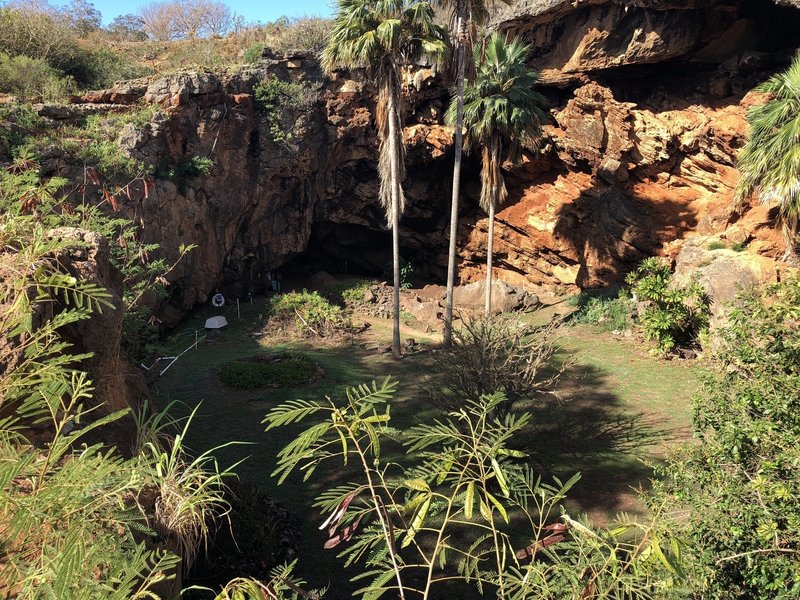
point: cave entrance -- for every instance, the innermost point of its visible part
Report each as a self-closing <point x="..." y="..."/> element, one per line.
<point x="348" y="249"/>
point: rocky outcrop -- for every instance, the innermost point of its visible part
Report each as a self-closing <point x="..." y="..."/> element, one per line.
<point x="572" y="38"/>
<point x="722" y="270"/>
<point x="648" y="110"/>
<point x="118" y="385"/>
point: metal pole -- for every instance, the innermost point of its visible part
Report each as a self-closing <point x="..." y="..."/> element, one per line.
<point x="238" y="314"/>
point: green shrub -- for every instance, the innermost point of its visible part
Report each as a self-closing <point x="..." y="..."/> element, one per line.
<point x="279" y="100"/>
<point x="97" y="68"/>
<point x="406" y="273"/>
<point x="346" y="293"/>
<point x="31" y="79"/>
<point x="463" y="502"/>
<point x="283" y="370"/>
<point x="253" y="52"/>
<point x="610" y="313"/>
<point x="739" y="246"/>
<point x="309" y="313"/>
<point x="716" y="245"/>
<point x="740" y="486"/>
<point x="672" y="316"/>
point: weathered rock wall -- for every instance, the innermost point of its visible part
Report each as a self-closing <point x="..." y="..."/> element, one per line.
<point x="648" y="113"/>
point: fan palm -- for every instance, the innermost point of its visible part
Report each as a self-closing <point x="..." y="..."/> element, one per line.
<point x="466" y="15"/>
<point x="770" y="161"/>
<point x="503" y="115"/>
<point x="383" y="36"/>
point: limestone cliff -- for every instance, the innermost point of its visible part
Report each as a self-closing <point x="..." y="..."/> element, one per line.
<point x="648" y="112"/>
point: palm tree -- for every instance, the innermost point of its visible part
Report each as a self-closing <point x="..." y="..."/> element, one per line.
<point x="465" y="16"/>
<point x="770" y="160"/>
<point x="383" y="36"/>
<point x="503" y="115"/>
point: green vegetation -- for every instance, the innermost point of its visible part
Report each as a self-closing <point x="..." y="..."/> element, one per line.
<point x="610" y="313"/>
<point x="673" y="317"/>
<point x="306" y="34"/>
<point x="770" y="160"/>
<point x="447" y="509"/>
<point x="289" y="369"/>
<point x="740" y="486"/>
<point x="384" y="37"/>
<point x="45" y="54"/>
<point x="348" y="292"/>
<point x="503" y="116"/>
<point x="279" y="101"/>
<point x="307" y="313"/>
<point x="720" y="245"/>
<point x="74" y="514"/>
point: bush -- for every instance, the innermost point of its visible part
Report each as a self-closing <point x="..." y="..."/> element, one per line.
<point x="740" y="486"/>
<point x="346" y="293"/>
<point x="31" y="79"/>
<point x="308" y="313"/>
<point x="279" y="101"/>
<point x="673" y="317"/>
<point x="96" y="68"/>
<point x="283" y="370"/>
<point x="301" y="33"/>
<point x="463" y="503"/>
<point x="253" y="53"/>
<point x="406" y="274"/>
<point x="610" y="313"/>
<point x="495" y="354"/>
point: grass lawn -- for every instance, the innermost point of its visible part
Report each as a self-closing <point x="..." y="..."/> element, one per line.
<point x="618" y="407"/>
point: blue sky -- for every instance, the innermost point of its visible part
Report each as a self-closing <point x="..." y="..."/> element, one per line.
<point x="253" y="10"/>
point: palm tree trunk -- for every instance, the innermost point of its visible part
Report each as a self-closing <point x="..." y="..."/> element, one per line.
<point x="458" y="141"/>
<point x="487" y="309"/>
<point x="392" y="113"/>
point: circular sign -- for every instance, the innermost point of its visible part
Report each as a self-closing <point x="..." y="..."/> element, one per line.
<point x="218" y="300"/>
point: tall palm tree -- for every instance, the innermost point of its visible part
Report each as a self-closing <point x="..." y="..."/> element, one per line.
<point x="383" y="36"/>
<point x="466" y="15"/>
<point x="503" y="115"/>
<point x="770" y="160"/>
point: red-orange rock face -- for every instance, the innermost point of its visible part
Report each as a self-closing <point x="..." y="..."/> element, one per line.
<point x="648" y="102"/>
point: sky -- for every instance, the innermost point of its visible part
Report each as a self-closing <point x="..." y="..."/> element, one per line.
<point x="252" y="10"/>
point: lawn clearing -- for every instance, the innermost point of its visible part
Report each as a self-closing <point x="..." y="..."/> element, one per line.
<point x="618" y="408"/>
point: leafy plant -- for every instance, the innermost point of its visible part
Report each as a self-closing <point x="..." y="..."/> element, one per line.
<point x="406" y="273"/>
<point x="610" y="313"/>
<point x="308" y="313"/>
<point x="739" y="487"/>
<point x="279" y="100"/>
<point x="282" y="585"/>
<point x="449" y="516"/>
<point x="770" y="162"/>
<point x="253" y="52"/>
<point x="31" y="79"/>
<point x="347" y="293"/>
<point x="188" y="491"/>
<point x="284" y="370"/>
<point x="69" y="528"/>
<point x="672" y="316"/>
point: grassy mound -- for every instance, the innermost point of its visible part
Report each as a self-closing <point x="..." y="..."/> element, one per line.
<point x="283" y="370"/>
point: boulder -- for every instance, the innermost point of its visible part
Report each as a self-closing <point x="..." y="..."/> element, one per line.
<point x="722" y="272"/>
<point x="505" y="297"/>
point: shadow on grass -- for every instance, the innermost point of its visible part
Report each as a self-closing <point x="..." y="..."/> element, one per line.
<point x="226" y="414"/>
<point x="588" y="430"/>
